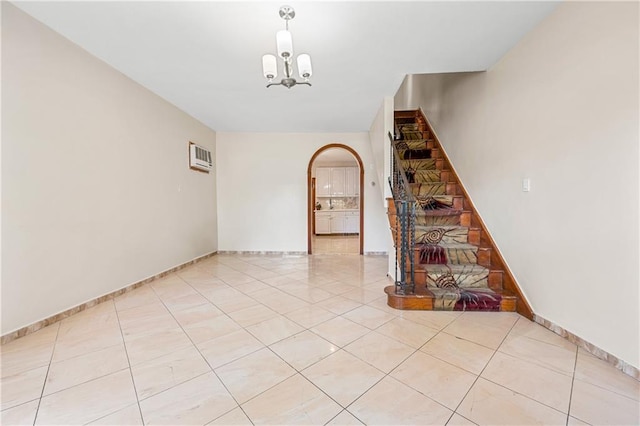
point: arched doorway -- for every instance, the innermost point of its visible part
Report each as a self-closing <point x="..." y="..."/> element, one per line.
<point x="311" y="194"/>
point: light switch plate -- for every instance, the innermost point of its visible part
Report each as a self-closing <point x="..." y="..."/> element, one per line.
<point x="526" y="185"/>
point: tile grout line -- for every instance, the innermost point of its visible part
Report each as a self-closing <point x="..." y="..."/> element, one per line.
<point x="385" y="375"/>
<point x="403" y="361"/>
<point x="264" y="347"/>
<point x="523" y="395"/>
<point x="573" y="380"/>
<point x="485" y="367"/>
<point x="442" y="330"/>
<point x="44" y="384"/>
<point x="77" y="384"/>
<point x="621" y="395"/>
<point x="401" y="382"/>
<point x="345" y="408"/>
<point x="286" y="362"/>
<point x="201" y="354"/>
<point x="505" y="387"/>
<point x="126" y="351"/>
<point x="277" y="355"/>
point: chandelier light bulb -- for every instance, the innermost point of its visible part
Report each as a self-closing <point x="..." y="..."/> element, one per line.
<point x="269" y="67"/>
<point x="304" y="66"/>
<point x="284" y="41"/>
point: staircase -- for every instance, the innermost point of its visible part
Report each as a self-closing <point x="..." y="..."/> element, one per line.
<point x="445" y="257"/>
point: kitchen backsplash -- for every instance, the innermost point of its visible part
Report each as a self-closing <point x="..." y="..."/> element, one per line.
<point x="337" y="203"/>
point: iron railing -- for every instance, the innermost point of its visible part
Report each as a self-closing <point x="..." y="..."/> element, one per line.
<point x="405" y="223"/>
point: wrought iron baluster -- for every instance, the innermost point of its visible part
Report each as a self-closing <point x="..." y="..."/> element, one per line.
<point x="405" y="206"/>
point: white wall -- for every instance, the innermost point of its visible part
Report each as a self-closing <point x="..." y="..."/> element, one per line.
<point x="382" y="125"/>
<point x="96" y="190"/>
<point x="262" y="190"/>
<point x="562" y="109"/>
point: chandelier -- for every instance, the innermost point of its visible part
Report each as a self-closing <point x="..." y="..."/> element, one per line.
<point x="284" y="43"/>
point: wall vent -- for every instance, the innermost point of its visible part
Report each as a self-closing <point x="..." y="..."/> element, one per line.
<point x="199" y="158"/>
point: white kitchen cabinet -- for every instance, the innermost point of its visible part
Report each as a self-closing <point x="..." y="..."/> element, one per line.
<point x="323" y="182"/>
<point x="352" y="181"/>
<point x="338" y="181"/>
<point x="352" y="222"/>
<point x="337" y="223"/>
<point x="323" y="223"/>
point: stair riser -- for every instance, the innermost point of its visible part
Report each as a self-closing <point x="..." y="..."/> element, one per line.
<point x="471" y="280"/>
<point x="425" y="164"/>
<point x="418" y="145"/>
<point x="463" y="219"/>
<point x="412" y="135"/>
<point x="425" y="176"/>
<point x="473" y="236"/>
<point x="422" y="143"/>
<point x="429" y="189"/>
<point x="439" y="220"/>
<point x="453" y="189"/>
<point x="442" y="235"/>
<point x="424" y="278"/>
<point x="457" y="256"/>
<point x="427" y="302"/>
<point x="456" y="202"/>
<point x="495" y="280"/>
<point x="423" y="189"/>
<point x="444" y="256"/>
<point x="484" y="257"/>
<point x="445" y="235"/>
<point x="433" y="175"/>
<point x="403" y="145"/>
<point x="480" y="257"/>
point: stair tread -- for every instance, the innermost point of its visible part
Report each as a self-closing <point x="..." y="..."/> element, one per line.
<point x="445" y="245"/>
<point x="421" y="141"/>
<point x="502" y="292"/>
<point x="430" y="182"/>
<point x="454" y="268"/>
<point x="430" y="227"/>
<point x="439" y="212"/>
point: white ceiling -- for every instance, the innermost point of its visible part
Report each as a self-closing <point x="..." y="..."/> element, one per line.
<point x="205" y="56"/>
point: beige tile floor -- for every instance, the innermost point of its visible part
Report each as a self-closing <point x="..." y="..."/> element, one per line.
<point x="336" y="244"/>
<point x="301" y="340"/>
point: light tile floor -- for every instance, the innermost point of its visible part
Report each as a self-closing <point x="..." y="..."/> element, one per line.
<point x="301" y="340"/>
<point x="335" y="244"/>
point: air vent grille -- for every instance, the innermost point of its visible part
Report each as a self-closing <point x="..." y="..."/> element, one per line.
<point x="199" y="158"/>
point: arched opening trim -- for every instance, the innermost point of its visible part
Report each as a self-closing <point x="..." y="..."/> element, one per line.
<point x="311" y="201"/>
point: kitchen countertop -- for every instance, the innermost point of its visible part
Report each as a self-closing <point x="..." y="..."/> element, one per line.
<point x="336" y="210"/>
